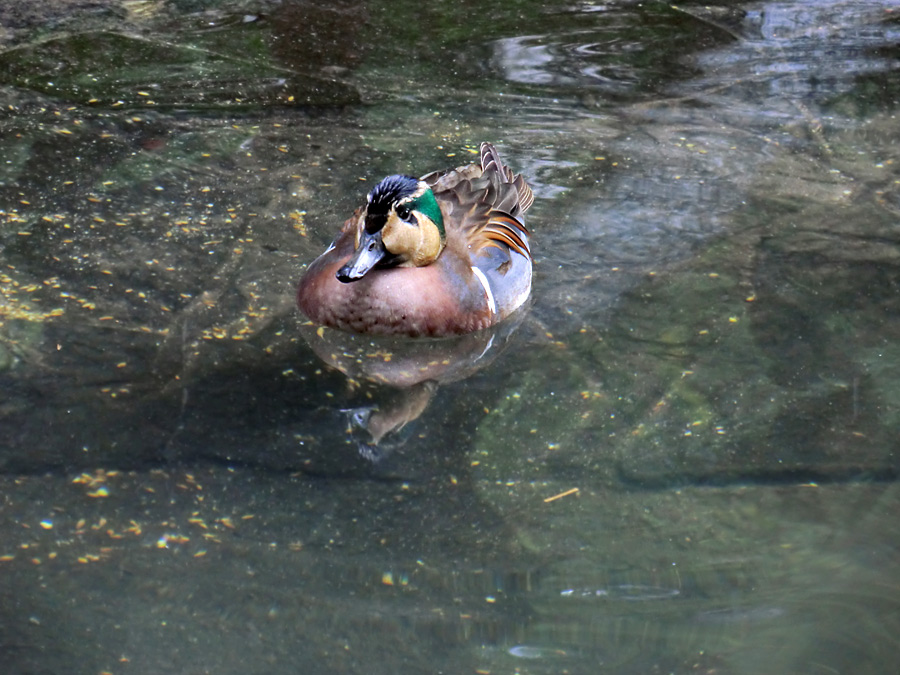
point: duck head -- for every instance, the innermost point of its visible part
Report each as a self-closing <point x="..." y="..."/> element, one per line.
<point x="402" y="226"/>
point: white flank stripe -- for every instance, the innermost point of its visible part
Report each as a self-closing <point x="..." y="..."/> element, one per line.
<point x="487" y="289"/>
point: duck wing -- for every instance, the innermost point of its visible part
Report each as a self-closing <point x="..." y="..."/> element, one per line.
<point x="485" y="202"/>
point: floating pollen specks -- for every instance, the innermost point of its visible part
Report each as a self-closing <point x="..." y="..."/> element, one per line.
<point x="166" y="539"/>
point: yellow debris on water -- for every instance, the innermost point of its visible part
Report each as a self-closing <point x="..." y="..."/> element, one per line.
<point x="561" y="495"/>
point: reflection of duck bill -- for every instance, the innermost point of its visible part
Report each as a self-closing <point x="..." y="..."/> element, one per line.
<point x="395" y="413"/>
<point x="405" y="362"/>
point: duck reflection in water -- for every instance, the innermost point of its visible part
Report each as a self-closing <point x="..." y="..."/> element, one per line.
<point x="401" y="375"/>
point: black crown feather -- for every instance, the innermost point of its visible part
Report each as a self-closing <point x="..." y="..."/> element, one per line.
<point x="387" y="193"/>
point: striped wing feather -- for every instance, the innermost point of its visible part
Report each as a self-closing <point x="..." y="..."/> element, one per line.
<point x="486" y="201"/>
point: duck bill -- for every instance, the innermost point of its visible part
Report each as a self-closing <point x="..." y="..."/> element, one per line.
<point x="369" y="253"/>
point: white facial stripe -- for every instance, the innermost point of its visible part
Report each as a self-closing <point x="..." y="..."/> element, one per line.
<point x="487" y="289"/>
<point x="420" y="190"/>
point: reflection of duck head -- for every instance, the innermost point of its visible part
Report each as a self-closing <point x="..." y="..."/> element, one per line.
<point x="408" y="370"/>
<point x="391" y="414"/>
<point x="443" y="255"/>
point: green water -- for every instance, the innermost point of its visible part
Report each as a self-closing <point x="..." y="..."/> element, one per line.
<point x="680" y="459"/>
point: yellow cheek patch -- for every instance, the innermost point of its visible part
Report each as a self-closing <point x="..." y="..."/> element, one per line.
<point x="417" y="246"/>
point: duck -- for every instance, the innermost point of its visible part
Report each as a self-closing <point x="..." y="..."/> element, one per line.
<point x="437" y="256"/>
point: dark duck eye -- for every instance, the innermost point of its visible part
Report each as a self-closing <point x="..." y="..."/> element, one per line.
<point x="405" y="213"/>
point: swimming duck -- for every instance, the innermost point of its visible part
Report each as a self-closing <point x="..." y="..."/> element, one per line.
<point x="445" y="254"/>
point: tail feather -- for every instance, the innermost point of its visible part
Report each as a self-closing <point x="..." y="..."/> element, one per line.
<point x="490" y="161"/>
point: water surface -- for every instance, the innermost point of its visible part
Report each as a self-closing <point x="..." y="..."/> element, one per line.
<point x="681" y="458"/>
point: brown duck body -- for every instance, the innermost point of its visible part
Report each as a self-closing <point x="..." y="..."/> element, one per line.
<point x="480" y="276"/>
